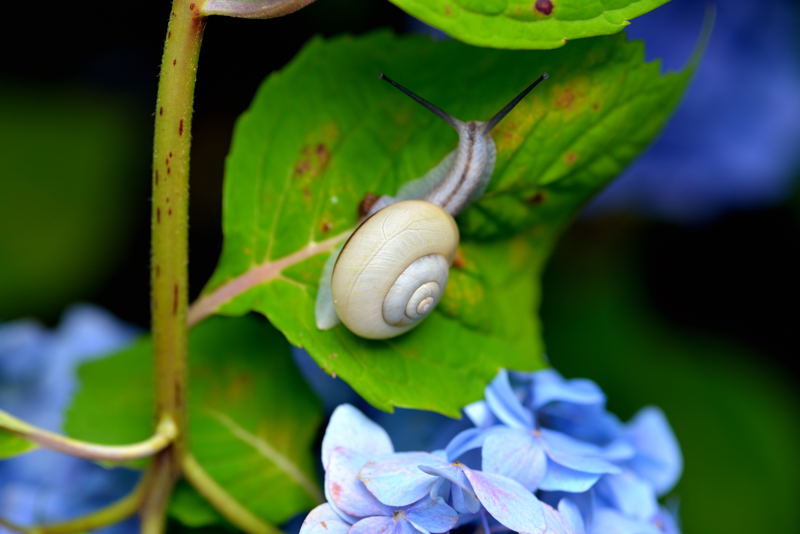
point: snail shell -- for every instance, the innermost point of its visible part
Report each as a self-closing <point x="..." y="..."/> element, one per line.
<point x="393" y="270"/>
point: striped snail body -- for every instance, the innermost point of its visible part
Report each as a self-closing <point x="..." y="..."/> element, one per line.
<point x="392" y="270"/>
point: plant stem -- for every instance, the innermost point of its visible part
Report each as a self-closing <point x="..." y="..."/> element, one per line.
<point x="165" y="433"/>
<point x="170" y="224"/>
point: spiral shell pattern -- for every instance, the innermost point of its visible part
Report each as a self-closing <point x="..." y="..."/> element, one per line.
<point x="393" y="269"/>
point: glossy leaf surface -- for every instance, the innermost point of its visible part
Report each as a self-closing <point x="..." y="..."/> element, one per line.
<point x="325" y="131"/>
<point x="527" y="24"/>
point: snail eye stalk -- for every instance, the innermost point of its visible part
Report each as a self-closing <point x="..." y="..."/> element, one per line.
<point x="491" y="123"/>
<point x="435" y="109"/>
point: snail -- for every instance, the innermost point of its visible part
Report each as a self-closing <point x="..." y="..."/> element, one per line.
<point x="392" y="270"/>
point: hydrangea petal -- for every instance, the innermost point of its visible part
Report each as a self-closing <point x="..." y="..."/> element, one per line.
<point x="560" y="478"/>
<point x="589" y="423"/>
<point x="432" y="515"/>
<point x="572" y="516"/>
<point x="548" y="386"/>
<point x="515" y="454"/>
<point x="630" y="494"/>
<point x="323" y="520"/>
<point x="343" y="489"/>
<point x="480" y="414"/>
<point x="505" y="404"/>
<point x="350" y="428"/>
<point x="575" y="454"/>
<point x="610" y="521"/>
<point x="464" y="501"/>
<point x="465" y="441"/>
<point x="507" y="501"/>
<point x="452" y="472"/>
<point x="659" y="458"/>
<point x="376" y="525"/>
<point x="396" y="480"/>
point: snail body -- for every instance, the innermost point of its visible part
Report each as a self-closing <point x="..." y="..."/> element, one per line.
<point x="392" y="270"/>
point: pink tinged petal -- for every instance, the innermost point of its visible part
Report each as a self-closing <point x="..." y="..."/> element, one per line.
<point x="515" y="454"/>
<point x="396" y="480"/>
<point x="630" y="494"/>
<point x="505" y="404"/>
<point x="576" y="454"/>
<point x="323" y="520"/>
<point x="345" y="491"/>
<point x="659" y="458"/>
<point x="374" y="525"/>
<point x="432" y="515"/>
<point x="560" y="478"/>
<point x="549" y="386"/>
<point x="350" y="428"/>
<point x="508" y="502"/>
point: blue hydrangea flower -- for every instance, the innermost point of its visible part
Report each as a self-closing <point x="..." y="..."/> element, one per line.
<point x="37" y="379"/>
<point x="553" y="461"/>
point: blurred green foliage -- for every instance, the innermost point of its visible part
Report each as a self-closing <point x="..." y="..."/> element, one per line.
<point x="734" y="415"/>
<point x="65" y="202"/>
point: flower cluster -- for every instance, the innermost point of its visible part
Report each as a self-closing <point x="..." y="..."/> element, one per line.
<point x="552" y="461"/>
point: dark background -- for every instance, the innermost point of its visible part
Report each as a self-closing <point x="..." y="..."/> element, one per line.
<point x="677" y="287"/>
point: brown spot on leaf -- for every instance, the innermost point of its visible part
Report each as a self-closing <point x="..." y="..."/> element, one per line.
<point x="302" y="167"/>
<point x="158" y="215"/>
<point x="570" y="158"/>
<point x="366" y="204"/>
<point x="307" y="193"/>
<point x="536" y="198"/>
<point x="565" y="99"/>
<point x="180" y="127"/>
<point x="545" y="7"/>
<point x="596" y="106"/>
<point x="174" y="62"/>
<point x="191" y="7"/>
<point x="325" y="226"/>
<point x="448" y="10"/>
<point x="161" y="110"/>
<point x="169" y="211"/>
<point x="158" y="270"/>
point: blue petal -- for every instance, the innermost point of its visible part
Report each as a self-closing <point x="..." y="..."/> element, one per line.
<point x="396" y="480"/>
<point x="452" y="472"/>
<point x="350" y="428"/>
<point x="464" y="501"/>
<point x="343" y="489"/>
<point x="507" y="501"/>
<point x="432" y="515"/>
<point x="516" y="454"/>
<point x="376" y="525"/>
<point x="590" y="423"/>
<point x="575" y="454"/>
<point x="572" y="516"/>
<point x="465" y="441"/>
<point x="505" y="404"/>
<point x="629" y="494"/>
<point x="659" y="457"/>
<point x="556" y="523"/>
<point x="480" y="414"/>
<point x="323" y="520"/>
<point x="548" y="386"/>
<point x="456" y="484"/>
<point x="559" y="478"/>
<point x="666" y="521"/>
<point x="610" y="521"/>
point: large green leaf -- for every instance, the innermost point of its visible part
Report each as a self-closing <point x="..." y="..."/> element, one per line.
<point x="529" y="24"/>
<point x="252" y="417"/>
<point x="325" y="131"/>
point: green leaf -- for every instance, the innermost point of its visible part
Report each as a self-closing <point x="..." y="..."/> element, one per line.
<point x="13" y="445"/>
<point x="526" y="24"/>
<point x="252" y="417"/>
<point x="191" y="509"/>
<point x="325" y="131"/>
